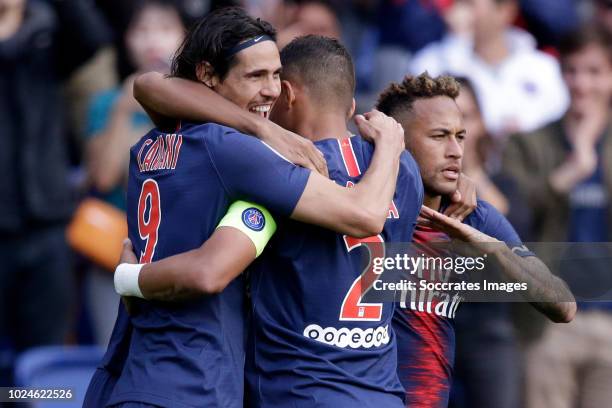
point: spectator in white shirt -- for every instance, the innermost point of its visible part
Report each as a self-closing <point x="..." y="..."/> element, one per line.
<point x="518" y="87"/>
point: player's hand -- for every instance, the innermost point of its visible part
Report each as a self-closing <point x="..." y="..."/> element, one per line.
<point x="450" y="226"/>
<point x="463" y="200"/>
<point x="128" y="256"/>
<point x="457" y="230"/>
<point x="295" y="148"/>
<point x="382" y="130"/>
<point x="127" y="253"/>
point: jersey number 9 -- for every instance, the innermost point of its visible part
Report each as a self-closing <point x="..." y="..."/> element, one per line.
<point x="148" y="227"/>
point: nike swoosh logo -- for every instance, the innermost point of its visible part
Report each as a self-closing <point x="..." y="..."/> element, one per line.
<point x="257" y="39"/>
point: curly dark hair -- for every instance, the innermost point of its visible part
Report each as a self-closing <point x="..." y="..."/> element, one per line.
<point x="210" y="39"/>
<point x="412" y="88"/>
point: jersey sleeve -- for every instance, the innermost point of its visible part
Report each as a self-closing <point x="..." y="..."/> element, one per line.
<point x="251" y="170"/>
<point x="489" y="221"/>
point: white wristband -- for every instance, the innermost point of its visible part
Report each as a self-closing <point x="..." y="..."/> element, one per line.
<point x="126" y="280"/>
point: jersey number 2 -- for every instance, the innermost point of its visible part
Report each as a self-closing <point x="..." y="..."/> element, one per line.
<point x="352" y="309"/>
<point x="148" y="227"/>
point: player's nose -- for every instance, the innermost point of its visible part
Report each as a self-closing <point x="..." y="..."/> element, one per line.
<point x="271" y="88"/>
<point x="454" y="148"/>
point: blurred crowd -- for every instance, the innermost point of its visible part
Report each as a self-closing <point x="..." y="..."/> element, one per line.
<point x="537" y="82"/>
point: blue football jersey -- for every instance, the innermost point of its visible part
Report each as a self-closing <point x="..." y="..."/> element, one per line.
<point x="426" y="332"/>
<point x="191" y="354"/>
<point x="315" y="341"/>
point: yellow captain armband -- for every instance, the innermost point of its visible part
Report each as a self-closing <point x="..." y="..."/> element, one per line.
<point x="252" y="219"/>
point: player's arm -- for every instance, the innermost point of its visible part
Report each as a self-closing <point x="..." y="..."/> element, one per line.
<point x="359" y="211"/>
<point x="550" y="294"/>
<point x="206" y="270"/>
<point x="250" y="170"/>
<point x="545" y="291"/>
<point x="164" y="98"/>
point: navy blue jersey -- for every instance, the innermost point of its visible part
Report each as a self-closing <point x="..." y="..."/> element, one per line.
<point x="425" y="333"/>
<point x="315" y="342"/>
<point x="191" y="354"/>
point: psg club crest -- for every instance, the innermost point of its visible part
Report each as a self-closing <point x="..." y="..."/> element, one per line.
<point x="254" y="219"/>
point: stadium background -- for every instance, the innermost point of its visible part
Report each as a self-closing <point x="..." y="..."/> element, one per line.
<point x="68" y="119"/>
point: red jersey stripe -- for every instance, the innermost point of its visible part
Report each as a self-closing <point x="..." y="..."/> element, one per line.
<point x="348" y="156"/>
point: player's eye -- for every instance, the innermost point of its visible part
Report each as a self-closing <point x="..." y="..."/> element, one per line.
<point x="255" y="75"/>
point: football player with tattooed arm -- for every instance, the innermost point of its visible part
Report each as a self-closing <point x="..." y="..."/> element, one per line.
<point x="435" y="134"/>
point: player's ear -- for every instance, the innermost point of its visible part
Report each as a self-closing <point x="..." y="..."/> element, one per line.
<point x="352" y="110"/>
<point x="288" y="93"/>
<point x="206" y="74"/>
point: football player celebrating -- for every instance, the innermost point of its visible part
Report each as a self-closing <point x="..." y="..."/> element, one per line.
<point x="434" y="133"/>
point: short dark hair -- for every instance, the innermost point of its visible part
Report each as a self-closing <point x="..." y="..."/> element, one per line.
<point x="412" y="88"/>
<point x="584" y="36"/>
<point x="323" y="66"/>
<point x="210" y="39"/>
